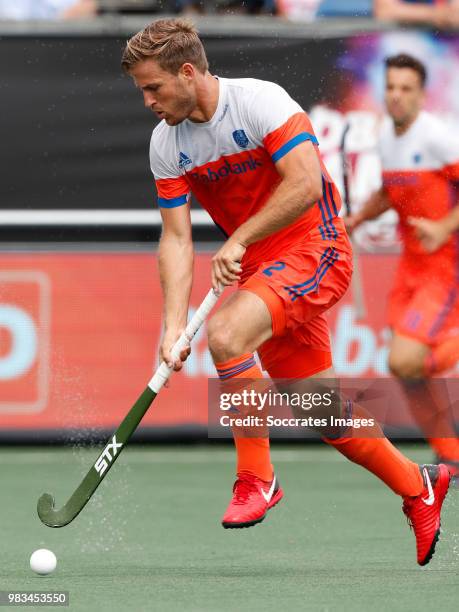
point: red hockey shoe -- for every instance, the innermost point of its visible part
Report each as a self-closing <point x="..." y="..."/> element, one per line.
<point x="423" y="511"/>
<point x="252" y="498"/>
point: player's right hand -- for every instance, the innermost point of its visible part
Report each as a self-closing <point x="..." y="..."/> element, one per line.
<point x="432" y="234"/>
<point x="170" y="337"/>
<point x="226" y="264"/>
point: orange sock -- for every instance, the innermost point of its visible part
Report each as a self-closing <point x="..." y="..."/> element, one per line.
<point x="380" y="457"/>
<point x="253" y="454"/>
<point x="446" y="448"/>
<point x="430" y="404"/>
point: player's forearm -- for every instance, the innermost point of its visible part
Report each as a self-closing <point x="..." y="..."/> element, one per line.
<point x="375" y="206"/>
<point x="451" y="221"/>
<point x="393" y="10"/>
<point x="175" y="262"/>
<point x="289" y="201"/>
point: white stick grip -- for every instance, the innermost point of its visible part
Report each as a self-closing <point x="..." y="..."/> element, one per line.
<point x="163" y="372"/>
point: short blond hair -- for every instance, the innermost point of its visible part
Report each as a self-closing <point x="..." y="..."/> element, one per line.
<point x="171" y="42"/>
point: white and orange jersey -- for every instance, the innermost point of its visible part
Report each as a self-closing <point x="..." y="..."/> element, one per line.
<point x="420" y="169"/>
<point x="229" y="163"/>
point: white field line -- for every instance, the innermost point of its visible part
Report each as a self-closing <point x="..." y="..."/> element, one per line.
<point x="145" y="457"/>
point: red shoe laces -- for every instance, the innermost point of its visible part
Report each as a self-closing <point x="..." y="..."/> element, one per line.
<point x="420" y="516"/>
<point x="242" y="489"/>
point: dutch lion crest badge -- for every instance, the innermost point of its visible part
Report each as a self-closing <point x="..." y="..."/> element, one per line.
<point x="240" y="138"/>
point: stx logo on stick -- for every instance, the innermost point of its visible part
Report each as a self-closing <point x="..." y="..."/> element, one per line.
<point x="105" y="457"/>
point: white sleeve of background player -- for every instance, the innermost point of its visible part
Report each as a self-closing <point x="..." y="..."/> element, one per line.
<point x="381" y="145"/>
<point x="444" y="143"/>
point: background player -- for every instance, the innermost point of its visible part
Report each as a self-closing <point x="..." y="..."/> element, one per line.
<point x="420" y="161"/>
<point x="249" y="154"/>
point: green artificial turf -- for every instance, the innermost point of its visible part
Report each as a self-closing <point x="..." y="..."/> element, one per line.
<point x="150" y="539"/>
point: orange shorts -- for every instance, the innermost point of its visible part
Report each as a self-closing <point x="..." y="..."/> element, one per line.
<point x="424" y="306"/>
<point x="298" y="288"/>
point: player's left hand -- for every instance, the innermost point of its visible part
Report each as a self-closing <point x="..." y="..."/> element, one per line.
<point x="226" y="264"/>
<point x="431" y="234"/>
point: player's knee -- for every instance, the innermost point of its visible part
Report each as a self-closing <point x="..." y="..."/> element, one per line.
<point x="223" y="339"/>
<point x="405" y="366"/>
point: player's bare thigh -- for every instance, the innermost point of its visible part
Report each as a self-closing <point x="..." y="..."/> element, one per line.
<point x="239" y="326"/>
<point x="407" y="356"/>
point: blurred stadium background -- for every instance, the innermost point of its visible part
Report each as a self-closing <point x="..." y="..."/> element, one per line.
<point x="80" y="302"/>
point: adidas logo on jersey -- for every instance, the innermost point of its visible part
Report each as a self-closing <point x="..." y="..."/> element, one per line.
<point x="225" y="170"/>
<point x="184" y="160"/>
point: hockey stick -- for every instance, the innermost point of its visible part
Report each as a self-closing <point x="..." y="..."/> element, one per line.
<point x="80" y="497"/>
<point x="357" y="287"/>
